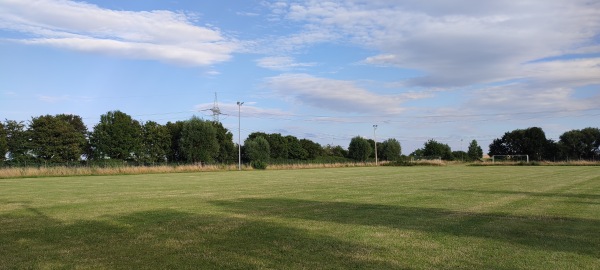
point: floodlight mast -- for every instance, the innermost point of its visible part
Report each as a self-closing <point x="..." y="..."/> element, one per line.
<point x="375" y="139"/>
<point x="239" y="135"/>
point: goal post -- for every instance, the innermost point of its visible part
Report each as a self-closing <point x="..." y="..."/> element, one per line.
<point x="510" y="158"/>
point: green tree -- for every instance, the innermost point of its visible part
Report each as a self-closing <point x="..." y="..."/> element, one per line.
<point x="591" y="139"/>
<point x="535" y="142"/>
<point x="77" y="123"/>
<point x="56" y="138"/>
<point x="498" y="147"/>
<point x="156" y="142"/>
<point x="254" y="135"/>
<point x="359" y="149"/>
<point x="227" y="150"/>
<point x="531" y="141"/>
<point x="199" y="141"/>
<point x="418" y="153"/>
<point x="389" y="149"/>
<point x="17" y="142"/>
<point x="174" y="153"/>
<point x="296" y="151"/>
<point x="335" y="151"/>
<point x="313" y="149"/>
<point x="116" y="136"/>
<point x="74" y="121"/>
<point x="552" y="150"/>
<point x="474" y="152"/>
<point x="257" y="149"/>
<point x="3" y="143"/>
<point x="580" y="144"/>
<point x="433" y="148"/>
<point x="372" y="144"/>
<point x="278" y="145"/>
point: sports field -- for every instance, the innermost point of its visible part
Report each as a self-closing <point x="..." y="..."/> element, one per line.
<point x="343" y="218"/>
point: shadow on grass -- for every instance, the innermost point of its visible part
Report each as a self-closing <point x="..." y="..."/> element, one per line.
<point x="580" y="236"/>
<point x="167" y="239"/>
<point x="528" y="193"/>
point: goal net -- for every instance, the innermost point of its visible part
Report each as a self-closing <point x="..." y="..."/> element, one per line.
<point x="510" y="158"/>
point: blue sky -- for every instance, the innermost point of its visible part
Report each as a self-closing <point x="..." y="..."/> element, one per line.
<point x="451" y="70"/>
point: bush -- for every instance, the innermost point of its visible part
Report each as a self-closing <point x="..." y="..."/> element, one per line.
<point x="400" y="161"/>
<point x="259" y="165"/>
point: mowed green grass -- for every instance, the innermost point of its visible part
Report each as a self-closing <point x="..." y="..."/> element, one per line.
<point x="345" y="218"/>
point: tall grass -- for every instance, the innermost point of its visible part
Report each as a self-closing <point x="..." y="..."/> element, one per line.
<point x="87" y="171"/>
<point x="53" y="171"/>
<point x="25" y="172"/>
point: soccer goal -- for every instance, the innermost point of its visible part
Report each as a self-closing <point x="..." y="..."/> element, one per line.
<point x="510" y="158"/>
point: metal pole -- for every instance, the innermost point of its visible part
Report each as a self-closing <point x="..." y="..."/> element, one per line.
<point x="375" y="139"/>
<point x="239" y="135"/>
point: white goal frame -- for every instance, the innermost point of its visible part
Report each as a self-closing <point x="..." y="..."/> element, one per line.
<point x="509" y="157"/>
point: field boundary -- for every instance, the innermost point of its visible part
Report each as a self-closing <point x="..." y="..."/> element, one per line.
<point x="57" y="171"/>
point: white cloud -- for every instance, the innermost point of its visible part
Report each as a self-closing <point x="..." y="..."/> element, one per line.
<point x="158" y="35"/>
<point x="567" y="73"/>
<point x="281" y="63"/>
<point x="382" y="59"/>
<point x="336" y="95"/>
<point x="455" y="43"/>
<point x="549" y="86"/>
<point x="212" y="73"/>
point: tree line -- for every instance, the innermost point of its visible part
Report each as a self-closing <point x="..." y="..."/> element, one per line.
<point x="436" y="150"/>
<point x="117" y="137"/>
<point x="575" y="144"/>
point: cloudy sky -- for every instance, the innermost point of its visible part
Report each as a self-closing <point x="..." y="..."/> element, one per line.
<point x="449" y="70"/>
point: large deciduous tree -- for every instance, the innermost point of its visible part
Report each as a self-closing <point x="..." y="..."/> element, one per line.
<point x="17" y="141"/>
<point x="433" y="148"/>
<point x="359" y="149"/>
<point x="581" y="144"/>
<point x="531" y="141"/>
<point x="116" y="136"/>
<point x="198" y="141"/>
<point x="257" y="149"/>
<point x="74" y="121"/>
<point x="57" y="139"/>
<point x="156" y="142"/>
<point x="390" y="149"/>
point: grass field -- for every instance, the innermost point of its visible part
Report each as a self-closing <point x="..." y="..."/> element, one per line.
<point x="448" y="217"/>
